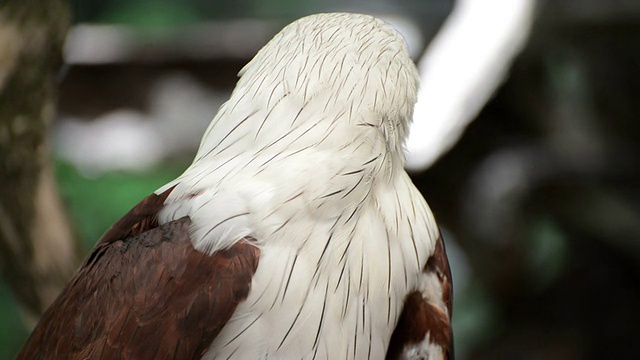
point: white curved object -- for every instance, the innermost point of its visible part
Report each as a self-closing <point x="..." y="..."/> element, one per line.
<point x="461" y="69"/>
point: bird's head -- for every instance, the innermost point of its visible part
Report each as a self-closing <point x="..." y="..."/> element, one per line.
<point x="340" y="73"/>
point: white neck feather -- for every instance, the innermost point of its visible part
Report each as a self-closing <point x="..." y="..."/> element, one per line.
<point x="331" y="94"/>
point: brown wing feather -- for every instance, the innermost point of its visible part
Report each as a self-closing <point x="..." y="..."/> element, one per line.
<point x="141" y="218"/>
<point x="145" y="293"/>
<point x="423" y="322"/>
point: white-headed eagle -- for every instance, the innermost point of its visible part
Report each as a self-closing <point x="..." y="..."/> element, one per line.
<point x="294" y="234"/>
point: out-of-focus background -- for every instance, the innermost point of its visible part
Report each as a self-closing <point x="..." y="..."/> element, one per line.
<point x="526" y="146"/>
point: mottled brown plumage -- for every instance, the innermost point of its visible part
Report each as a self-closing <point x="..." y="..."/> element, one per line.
<point x="420" y="318"/>
<point x="438" y="263"/>
<point x="145" y="293"/>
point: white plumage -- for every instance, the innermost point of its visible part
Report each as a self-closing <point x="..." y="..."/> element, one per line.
<point x="306" y="157"/>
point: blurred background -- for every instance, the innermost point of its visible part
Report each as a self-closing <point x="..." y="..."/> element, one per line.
<point x="531" y="162"/>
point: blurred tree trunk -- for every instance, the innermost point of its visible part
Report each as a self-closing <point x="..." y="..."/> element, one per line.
<point x="38" y="252"/>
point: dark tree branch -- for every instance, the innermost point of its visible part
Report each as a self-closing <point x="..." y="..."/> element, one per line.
<point x="37" y="249"/>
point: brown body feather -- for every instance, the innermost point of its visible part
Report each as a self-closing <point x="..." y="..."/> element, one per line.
<point x="422" y="318"/>
<point x="145" y="293"/>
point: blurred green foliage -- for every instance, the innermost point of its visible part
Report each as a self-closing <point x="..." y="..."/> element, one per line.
<point x="96" y="203"/>
<point x="12" y="329"/>
<point x="162" y="13"/>
<point x="177" y="12"/>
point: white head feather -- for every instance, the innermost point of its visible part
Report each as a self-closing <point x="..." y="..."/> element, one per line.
<point x="328" y="94"/>
<point x="349" y="64"/>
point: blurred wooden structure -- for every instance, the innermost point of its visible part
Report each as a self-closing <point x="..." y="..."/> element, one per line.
<point x="38" y="253"/>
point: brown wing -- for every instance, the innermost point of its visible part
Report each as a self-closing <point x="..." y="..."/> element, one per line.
<point x="424" y="328"/>
<point x="145" y="293"/>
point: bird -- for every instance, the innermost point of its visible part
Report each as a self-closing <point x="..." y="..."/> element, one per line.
<point x="295" y="233"/>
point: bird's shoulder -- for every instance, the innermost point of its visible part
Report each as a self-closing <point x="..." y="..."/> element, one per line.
<point x="145" y="291"/>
